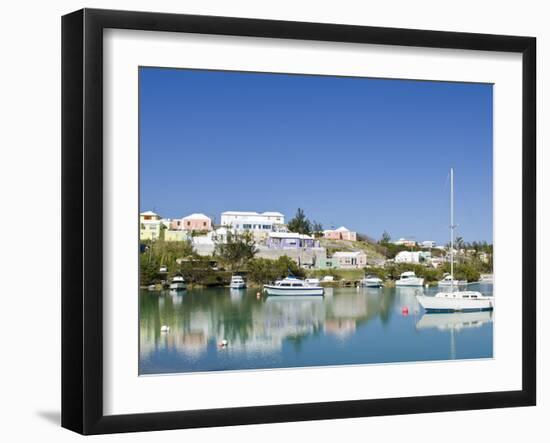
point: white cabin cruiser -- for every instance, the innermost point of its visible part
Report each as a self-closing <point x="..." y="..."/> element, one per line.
<point x="448" y="280"/>
<point x="454" y="300"/>
<point x="371" y="281"/>
<point x="178" y="283"/>
<point x="409" y="278"/>
<point x="293" y="286"/>
<point x="237" y="282"/>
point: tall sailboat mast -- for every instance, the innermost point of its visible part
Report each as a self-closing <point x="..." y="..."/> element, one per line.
<point x="452" y="229"/>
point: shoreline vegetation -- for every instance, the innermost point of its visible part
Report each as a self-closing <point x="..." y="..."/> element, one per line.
<point x="160" y="260"/>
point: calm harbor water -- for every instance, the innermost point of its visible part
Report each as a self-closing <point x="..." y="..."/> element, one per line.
<point x="346" y="326"/>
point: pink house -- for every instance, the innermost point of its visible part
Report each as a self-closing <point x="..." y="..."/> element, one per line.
<point x="193" y="222"/>
<point x="342" y="233"/>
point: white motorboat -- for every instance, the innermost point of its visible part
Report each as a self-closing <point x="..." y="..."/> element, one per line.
<point x="237" y="282"/>
<point x="313" y="281"/>
<point x="293" y="286"/>
<point x="178" y="283"/>
<point x="455" y="300"/>
<point x="409" y="278"/>
<point x="448" y="281"/>
<point x="371" y="281"/>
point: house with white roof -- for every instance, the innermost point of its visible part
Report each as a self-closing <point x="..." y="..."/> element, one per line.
<point x="404" y="242"/>
<point x="290" y="240"/>
<point x="193" y="222"/>
<point x="412" y="256"/>
<point x="260" y="224"/>
<point x="351" y="259"/>
<point x="149" y="225"/>
<point x="342" y="233"/>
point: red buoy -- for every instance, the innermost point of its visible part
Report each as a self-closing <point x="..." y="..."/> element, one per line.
<point x="405" y="310"/>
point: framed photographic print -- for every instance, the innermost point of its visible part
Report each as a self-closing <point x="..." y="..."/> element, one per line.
<point x="269" y="221"/>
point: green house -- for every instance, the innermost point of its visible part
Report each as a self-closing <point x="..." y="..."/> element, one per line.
<point x="326" y="263"/>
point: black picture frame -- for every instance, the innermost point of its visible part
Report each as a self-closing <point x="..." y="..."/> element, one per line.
<point x="82" y="218"/>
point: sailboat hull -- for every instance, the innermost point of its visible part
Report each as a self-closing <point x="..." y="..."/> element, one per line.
<point x="449" y="304"/>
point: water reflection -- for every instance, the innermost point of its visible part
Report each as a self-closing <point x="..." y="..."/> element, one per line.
<point x="216" y="329"/>
<point x="454" y="323"/>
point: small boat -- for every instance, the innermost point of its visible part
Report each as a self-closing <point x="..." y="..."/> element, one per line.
<point x="455" y="300"/>
<point x="409" y="278"/>
<point x="237" y="282"/>
<point x="178" y="283"/>
<point x="293" y="286"/>
<point x="449" y="281"/>
<point x="371" y="281"/>
<point x="313" y="281"/>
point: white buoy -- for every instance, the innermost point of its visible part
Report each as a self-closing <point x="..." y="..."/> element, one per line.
<point x="164" y="328"/>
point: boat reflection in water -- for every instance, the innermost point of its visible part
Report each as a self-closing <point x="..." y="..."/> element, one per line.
<point x="220" y="329"/>
<point x="454" y="323"/>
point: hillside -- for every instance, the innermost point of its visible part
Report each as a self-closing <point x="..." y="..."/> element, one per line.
<point x="345" y="245"/>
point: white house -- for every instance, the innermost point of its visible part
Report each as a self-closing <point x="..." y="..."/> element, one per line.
<point x="412" y="257"/>
<point x="404" y="242"/>
<point x="350" y="260"/>
<point x="428" y="244"/>
<point x="260" y="224"/>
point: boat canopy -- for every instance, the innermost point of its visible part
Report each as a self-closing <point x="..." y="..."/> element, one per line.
<point x="408" y="274"/>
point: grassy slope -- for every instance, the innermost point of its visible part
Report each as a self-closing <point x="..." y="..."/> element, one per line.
<point x="344" y="245"/>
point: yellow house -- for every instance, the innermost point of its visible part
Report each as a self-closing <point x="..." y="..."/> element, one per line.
<point x="149" y="226"/>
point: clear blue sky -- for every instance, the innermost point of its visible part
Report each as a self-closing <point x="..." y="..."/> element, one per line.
<point x="370" y="154"/>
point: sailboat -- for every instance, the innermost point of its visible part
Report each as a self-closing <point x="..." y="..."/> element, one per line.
<point x="454" y="300"/>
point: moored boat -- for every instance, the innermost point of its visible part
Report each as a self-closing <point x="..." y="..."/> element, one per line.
<point x="371" y="281"/>
<point x="448" y="281"/>
<point x="409" y="278"/>
<point x="178" y="283"/>
<point x="293" y="286"/>
<point x="454" y="300"/>
<point x="237" y="282"/>
<point x="457" y="301"/>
